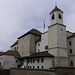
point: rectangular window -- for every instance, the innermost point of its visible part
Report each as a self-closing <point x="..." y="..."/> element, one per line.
<point x="38" y="50"/>
<point x="70" y="43"/>
<point x="38" y="60"/>
<point x="42" y="60"/>
<point x="16" y="60"/>
<point x="71" y="63"/>
<point x="33" y="67"/>
<point x="42" y="67"/>
<point x="30" y="67"/>
<point x="24" y="66"/>
<point x="28" y="61"/>
<point x="37" y="67"/>
<point x="0" y="64"/>
<point x="33" y="61"/>
<point x="70" y="50"/>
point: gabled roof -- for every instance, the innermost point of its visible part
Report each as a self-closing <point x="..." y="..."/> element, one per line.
<point x="11" y="52"/>
<point x="73" y="35"/>
<point x="38" y="54"/>
<point x="56" y="9"/>
<point x="14" y="53"/>
<point x="33" y="31"/>
<point x="15" y="43"/>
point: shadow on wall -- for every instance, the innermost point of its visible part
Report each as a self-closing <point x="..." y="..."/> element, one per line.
<point x="57" y="71"/>
<point x="4" y="72"/>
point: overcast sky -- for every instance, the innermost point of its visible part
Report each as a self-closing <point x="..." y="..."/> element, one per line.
<point x="19" y="16"/>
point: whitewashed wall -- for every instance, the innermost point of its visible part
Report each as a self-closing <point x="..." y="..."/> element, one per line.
<point x="72" y="46"/>
<point x="43" y="43"/>
<point x="8" y="61"/>
<point x="48" y="63"/>
<point x="15" y="47"/>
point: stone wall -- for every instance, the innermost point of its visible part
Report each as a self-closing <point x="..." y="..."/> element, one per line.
<point x="5" y="72"/>
<point x="57" y="71"/>
<point x="65" y="70"/>
<point x="31" y="72"/>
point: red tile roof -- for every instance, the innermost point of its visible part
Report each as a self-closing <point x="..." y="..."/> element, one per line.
<point x="11" y="52"/>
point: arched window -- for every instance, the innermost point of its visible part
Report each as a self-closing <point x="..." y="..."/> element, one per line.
<point x="53" y="16"/>
<point x="60" y="16"/>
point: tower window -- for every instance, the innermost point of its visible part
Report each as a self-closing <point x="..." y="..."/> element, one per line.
<point x="53" y="16"/>
<point x="38" y="44"/>
<point x="70" y="50"/>
<point x="71" y="63"/>
<point x="70" y="43"/>
<point x="59" y="16"/>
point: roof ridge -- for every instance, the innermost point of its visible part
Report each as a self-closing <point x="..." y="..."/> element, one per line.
<point x="32" y="31"/>
<point x="56" y="9"/>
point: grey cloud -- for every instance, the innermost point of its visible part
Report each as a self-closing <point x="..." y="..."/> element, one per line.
<point x="19" y="16"/>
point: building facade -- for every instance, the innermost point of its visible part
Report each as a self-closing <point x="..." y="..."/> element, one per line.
<point x="39" y="60"/>
<point x="58" y="43"/>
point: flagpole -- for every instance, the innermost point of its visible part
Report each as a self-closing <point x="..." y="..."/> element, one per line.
<point x="43" y="26"/>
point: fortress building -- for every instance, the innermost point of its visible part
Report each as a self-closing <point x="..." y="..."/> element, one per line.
<point x="54" y="48"/>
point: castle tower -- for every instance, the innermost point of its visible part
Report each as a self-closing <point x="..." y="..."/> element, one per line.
<point x="57" y="41"/>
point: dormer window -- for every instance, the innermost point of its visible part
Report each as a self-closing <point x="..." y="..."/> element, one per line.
<point x="60" y="16"/>
<point x="53" y="17"/>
